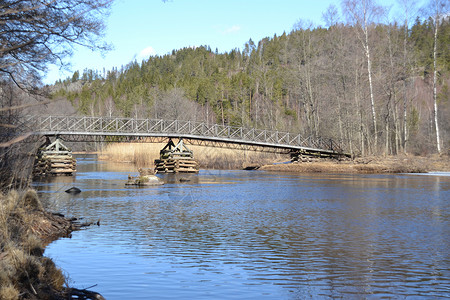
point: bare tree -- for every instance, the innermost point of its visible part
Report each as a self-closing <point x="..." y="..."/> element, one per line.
<point x="306" y="64"/>
<point x="362" y="14"/>
<point x="439" y="8"/>
<point x="408" y="7"/>
<point x="173" y="105"/>
<point x="35" y="33"/>
<point x="331" y="16"/>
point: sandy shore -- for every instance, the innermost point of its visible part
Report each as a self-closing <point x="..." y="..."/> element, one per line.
<point x="373" y="164"/>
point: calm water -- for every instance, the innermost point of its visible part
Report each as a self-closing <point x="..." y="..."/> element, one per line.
<point x="255" y="235"/>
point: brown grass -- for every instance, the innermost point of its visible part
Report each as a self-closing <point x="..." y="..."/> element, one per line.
<point x="374" y="164"/>
<point x="9" y="292"/>
<point x="25" y="273"/>
<point x="141" y="154"/>
<point x="144" y="154"/>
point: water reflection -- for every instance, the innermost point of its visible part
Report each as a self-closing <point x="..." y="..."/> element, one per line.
<point x="240" y="234"/>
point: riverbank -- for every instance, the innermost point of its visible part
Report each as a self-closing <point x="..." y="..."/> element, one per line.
<point x="143" y="155"/>
<point x="370" y="164"/>
<point x="25" y="229"/>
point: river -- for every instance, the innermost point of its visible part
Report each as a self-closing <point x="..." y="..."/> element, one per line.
<point x="254" y="234"/>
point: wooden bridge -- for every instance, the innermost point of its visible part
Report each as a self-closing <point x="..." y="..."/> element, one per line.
<point x="84" y="128"/>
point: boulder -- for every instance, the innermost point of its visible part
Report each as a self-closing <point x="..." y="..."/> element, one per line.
<point x="73" y="190"/>
<point x="146" y="180"/>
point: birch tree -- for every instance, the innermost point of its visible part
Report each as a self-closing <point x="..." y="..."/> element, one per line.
<point x="408" y="7"/>
<point x="362" y="14"/>
<point x="440" y="8"/>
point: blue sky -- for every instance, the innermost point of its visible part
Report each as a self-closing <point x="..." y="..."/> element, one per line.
<point x="139" y="28"/>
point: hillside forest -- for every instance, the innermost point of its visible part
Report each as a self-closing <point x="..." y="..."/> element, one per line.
<point x="375" y="86"/>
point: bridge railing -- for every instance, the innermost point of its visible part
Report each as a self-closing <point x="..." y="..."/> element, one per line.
<point x="127" y="126"/>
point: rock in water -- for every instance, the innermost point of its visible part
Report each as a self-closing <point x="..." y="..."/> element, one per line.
<point x="73" y="190"/>
<point x="147" y="180"/>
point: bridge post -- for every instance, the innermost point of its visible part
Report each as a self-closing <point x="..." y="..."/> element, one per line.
<point x="54" y="159"/>
<point x="176" y="159"/>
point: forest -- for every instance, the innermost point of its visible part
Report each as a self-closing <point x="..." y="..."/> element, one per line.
<point x="376" y="87"/>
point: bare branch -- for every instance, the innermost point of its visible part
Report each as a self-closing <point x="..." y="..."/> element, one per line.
<point x="35" y="33"/>
<point x="14" y="140"/>
<point x="10" y="108"/>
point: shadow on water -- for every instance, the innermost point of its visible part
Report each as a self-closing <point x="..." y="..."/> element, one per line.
<point x="240" y="234"/>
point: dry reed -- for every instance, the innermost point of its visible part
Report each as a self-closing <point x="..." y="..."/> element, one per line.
<point x="369" y="164"/>
<point x="144" y="154"/>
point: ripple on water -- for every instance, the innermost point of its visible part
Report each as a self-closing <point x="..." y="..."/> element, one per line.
<point x="245" y="235"/>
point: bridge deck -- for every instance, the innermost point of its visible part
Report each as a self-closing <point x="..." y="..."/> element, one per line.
<point x="104" y="126"/>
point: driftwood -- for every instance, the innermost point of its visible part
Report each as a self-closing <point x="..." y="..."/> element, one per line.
<point x="84" y="294"/>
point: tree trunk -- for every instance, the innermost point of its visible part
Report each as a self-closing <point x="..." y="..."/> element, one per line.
<point x="221" y="109"/>
<point x="397" y="129"/>
<point x="361" y="121"/>
<point x="405" y="123"/>
<point x="436" y="125"/>
<point x="372" y="101"/>
<point x="386" y="151"/>
<point x="405" y="41"/>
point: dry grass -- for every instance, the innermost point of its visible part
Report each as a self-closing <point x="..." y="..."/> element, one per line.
<point x="9" y="292"/>
<point x="141" y="154"/>
<point x="144" y="154"/>
<point x="25" y="274"/>
<point x="374" y="164"/>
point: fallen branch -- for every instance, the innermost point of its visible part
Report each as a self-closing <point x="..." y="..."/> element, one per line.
<point x="72" y="293"/>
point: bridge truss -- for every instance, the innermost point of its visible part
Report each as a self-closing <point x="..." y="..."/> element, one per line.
<point x="84" y="128"/>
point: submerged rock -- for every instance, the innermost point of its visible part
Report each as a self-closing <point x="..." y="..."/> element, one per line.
<point x="73" y="190"/>
<point x="146" y="180"/>
<point x="251" y="167"/>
